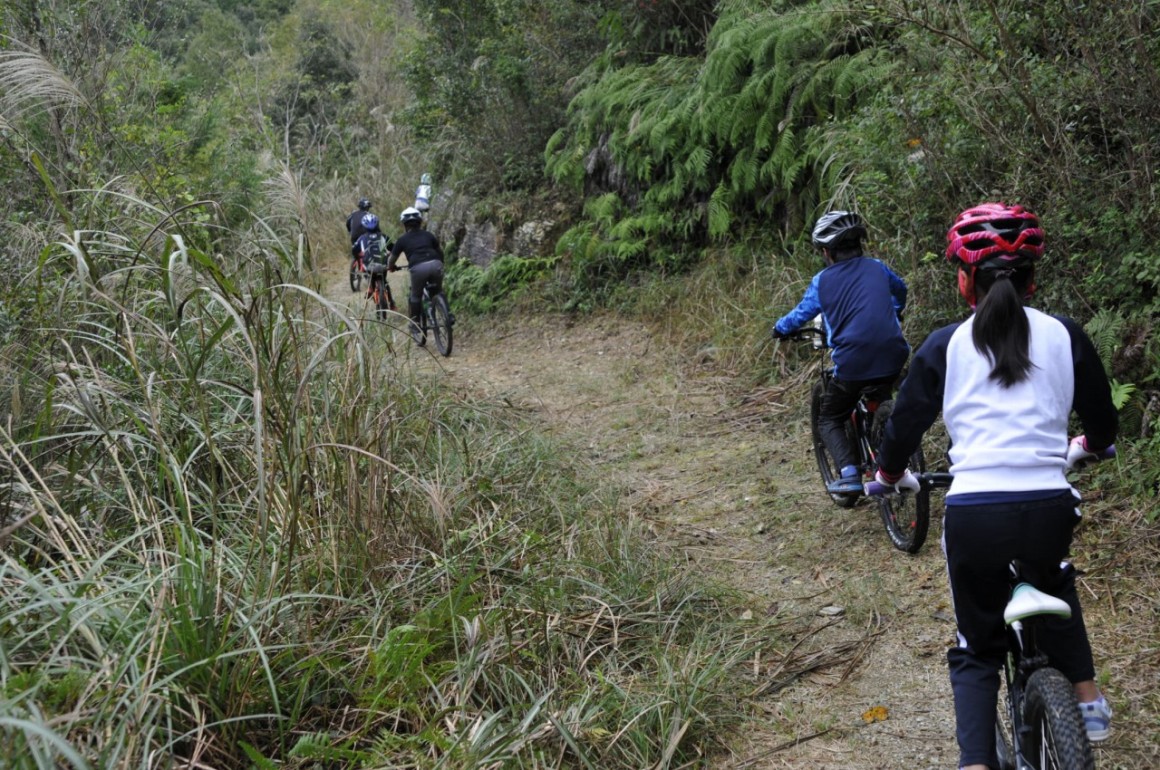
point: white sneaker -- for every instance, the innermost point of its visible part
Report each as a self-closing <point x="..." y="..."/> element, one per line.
<point x="1097" y="718"/>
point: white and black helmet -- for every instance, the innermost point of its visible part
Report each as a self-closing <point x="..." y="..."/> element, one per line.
<point x="411" y="214"/>
<point x="838" y="227"/>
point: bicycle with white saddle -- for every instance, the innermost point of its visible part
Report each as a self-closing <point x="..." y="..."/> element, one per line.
<point x="1039" y="725"/>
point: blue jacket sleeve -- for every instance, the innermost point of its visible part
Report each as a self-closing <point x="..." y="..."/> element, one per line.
<point x="809" y="307"/>
<point x="897" y="289"/>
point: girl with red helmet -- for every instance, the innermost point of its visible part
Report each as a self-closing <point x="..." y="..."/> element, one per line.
<point x="1006" y="381"/>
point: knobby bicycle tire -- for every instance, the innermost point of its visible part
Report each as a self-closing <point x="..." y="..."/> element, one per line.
<point x="1056" y="737"/>
<point x="441" y="323"/>
<point x="356" y="277"/>
<point x="906" y="517"/>
<point x="382" y="299"/>
<point x="826" y="467"/>
<point x="1004" y="729"/>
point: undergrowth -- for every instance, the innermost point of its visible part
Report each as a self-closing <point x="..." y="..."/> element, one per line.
<point x="241" y="529"/>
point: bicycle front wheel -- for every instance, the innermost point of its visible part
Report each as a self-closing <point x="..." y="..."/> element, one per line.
<point x="441" y="323"/>
<point x="1056" y="737"/>
<point x="906" y="517"/>
<point x="826" y="466"/>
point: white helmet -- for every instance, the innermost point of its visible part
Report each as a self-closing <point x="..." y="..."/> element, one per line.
<point x="410" y="214"/>
<point x="836" y="228"/>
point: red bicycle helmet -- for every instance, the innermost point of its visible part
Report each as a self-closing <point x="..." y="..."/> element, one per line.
<point x="994" y="229"/>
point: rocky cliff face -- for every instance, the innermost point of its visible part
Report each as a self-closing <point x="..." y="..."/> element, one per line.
<point x="453" y="221"/>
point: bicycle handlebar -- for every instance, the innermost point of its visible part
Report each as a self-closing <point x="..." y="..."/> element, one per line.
<point x="805" y="332"/>
<point x="930" y="480"/>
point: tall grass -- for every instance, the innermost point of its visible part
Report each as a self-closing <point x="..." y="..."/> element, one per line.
<point x="240" y="528"/>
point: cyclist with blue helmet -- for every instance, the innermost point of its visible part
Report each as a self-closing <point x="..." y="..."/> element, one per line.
<point x="373" y="246"/>
<point x="860" y="300"/>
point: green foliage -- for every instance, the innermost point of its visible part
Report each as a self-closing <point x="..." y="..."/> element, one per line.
<point x="478" y="291"/>
<point x="1106" y="330"/>
<point x="699" y="149"/>
<point x="643" y="30"/>
<point x="488" y="79"/>
<point x="1012" y="102"/>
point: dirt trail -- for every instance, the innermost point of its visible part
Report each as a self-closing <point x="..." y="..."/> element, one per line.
<point x="728" y="477"/>
<point x="716" y="472"/>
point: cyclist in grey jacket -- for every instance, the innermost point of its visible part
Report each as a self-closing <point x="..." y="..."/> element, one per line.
<point x="1006" y="381"/>
<point x="861" y="301"/>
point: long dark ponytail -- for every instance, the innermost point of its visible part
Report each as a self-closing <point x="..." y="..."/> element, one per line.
<point x="1001" y="330"/>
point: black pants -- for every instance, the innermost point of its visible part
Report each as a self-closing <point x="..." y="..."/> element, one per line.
<point x="837" y="403"/>
<point x="980" y="541"/>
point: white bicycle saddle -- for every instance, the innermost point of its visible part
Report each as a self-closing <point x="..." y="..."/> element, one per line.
<point x="1027" y="600"/>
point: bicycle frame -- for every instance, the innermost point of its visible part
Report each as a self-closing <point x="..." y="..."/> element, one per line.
<point x="1023" y="658"/>
<point x="435" y="316"/>
<point x="906" y="520"/>
<point x="861" y="420"/>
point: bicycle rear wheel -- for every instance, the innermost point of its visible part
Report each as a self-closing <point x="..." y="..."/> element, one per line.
<point x="906" y="517"/>
<point x="1056" y="737"/>
<point x="382" y="299"/>
<point x="440" y="322"/>
<point x="826" y="466"/>
<point x="355" y="276"/>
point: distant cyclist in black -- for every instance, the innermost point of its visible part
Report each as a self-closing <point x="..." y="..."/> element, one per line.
<point x="354" y="226"/>
<point x="424" y="258"/>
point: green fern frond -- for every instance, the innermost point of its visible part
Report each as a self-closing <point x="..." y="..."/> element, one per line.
<point x="1106" y="330"/>
<point x="603" y="208"/>
<point x="697" y="162"/>
<point x="720" y="212"/>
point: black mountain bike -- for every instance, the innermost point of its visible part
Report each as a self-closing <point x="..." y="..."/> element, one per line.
<point x="435" y="318"/>
<point x="906" y="517"/>
<point x="1039" y="726"/>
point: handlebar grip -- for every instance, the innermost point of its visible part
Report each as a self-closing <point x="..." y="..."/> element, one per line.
<point x="1107" y="454"/>
<point x="878" y="489"/>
